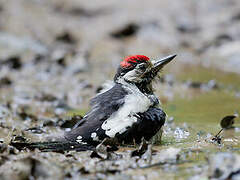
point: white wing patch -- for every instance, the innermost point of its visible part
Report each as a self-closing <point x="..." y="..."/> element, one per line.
<point x="94" y="136"/>
<point x="135" y="102"/>
<point x="79" y="140"/>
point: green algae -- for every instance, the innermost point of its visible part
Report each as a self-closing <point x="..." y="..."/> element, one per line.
<point x="202" y="112"/>
<point x="74" y="112"/>
<point x="203" y="74"/>
<point x="205" y="108"/>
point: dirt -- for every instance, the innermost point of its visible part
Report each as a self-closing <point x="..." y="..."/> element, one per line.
<point x="54" y="56"/>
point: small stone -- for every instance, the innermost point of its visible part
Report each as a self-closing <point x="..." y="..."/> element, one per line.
<point x="224" y="165"/>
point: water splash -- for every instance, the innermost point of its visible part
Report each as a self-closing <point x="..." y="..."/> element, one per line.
<point x="181" y="133"/>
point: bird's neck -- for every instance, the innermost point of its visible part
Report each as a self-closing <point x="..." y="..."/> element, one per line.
<point x="144" y="87"/>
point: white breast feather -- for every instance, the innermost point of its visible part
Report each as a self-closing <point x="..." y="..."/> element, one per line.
<point x="135" y="102"/>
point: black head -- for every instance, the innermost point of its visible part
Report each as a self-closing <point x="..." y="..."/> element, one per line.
<point x="132" y="68"/>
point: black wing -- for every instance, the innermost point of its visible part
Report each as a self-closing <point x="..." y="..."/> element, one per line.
<point x="102" y="107"/>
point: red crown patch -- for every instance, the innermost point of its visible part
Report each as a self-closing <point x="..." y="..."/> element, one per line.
<point x="130" y="60"/>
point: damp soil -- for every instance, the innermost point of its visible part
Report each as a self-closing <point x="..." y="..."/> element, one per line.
<point x="61" y="52"/>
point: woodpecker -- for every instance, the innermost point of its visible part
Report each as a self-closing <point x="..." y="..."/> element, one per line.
<point x="127" y="111"/>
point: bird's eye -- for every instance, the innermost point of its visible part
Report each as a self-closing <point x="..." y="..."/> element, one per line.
<point x="142" y="66"/>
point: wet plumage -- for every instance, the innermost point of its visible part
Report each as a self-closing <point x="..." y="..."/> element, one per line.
<point x="127" y="111"/>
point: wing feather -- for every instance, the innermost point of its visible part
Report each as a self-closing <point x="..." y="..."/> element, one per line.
<point x="102" y="107"/>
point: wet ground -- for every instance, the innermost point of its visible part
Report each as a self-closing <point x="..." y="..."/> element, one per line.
<point x="54" y="55"/>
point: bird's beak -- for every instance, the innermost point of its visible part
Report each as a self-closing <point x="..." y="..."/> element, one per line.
<point x="156" y="67"/>
<point x="159" y="64"/>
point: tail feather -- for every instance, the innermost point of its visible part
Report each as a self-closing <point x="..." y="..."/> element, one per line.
<point x="54" y="146"/>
